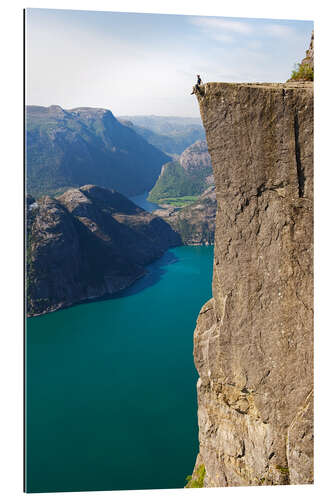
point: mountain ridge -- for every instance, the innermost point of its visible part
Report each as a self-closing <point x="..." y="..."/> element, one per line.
<point x="172" y="134"/>
<point x="70" y="148"/>
<point x="87" y="243"/>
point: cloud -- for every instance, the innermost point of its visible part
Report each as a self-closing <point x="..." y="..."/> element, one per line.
<point x="221" y="37"/>
<point x="225" y="30"/>
<point x="78" y="65"/>
<point x="215" y="23"/>
<point x="279" y="30"/>
<point x="222" y="30"/>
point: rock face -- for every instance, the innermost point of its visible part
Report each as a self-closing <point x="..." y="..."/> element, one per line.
<point x="70" y="148"/>
<point x="87" y="243"/>
<point x="304" y="72"/>
<point x="253" y="344"/>
<point x="196" y="157"/>
<point x="190" y="175"/>
<point x="195" y="223"/>
<point x="309" y="58"/>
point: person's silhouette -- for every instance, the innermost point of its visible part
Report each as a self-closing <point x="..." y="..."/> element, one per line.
<point x="196" y="87"/>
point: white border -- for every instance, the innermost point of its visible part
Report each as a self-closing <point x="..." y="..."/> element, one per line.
<point x="12" y="241"/>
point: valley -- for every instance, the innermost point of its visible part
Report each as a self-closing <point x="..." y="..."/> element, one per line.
<point x="89" y="241"/>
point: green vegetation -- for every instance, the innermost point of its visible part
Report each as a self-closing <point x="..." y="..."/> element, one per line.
<point x="182" y="201"/>
<point x="283" y="470"/>
<point x="176" y="182"/>
<point x="197" y="480"/>
<point x="183" y="179"/>
<point x="195" y="222"/>
<point x="302" y="72"/>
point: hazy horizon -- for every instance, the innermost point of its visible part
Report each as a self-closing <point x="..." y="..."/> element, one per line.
<point x="116" y="115"/>
<point x="146" y="64"/>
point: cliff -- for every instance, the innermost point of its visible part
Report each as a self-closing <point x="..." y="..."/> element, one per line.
<point x="88" y="243"/>
<point x="253" y="343"/>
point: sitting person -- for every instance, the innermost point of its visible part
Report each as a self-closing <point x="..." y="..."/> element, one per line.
<point x="196" y="87"/>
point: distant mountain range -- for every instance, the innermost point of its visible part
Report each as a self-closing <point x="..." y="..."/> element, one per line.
<point x="89" y="241"/>
<point x="170" y="134"/>
<point x="70" y="148"/>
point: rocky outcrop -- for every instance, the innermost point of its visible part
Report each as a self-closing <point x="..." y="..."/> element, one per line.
<point x="309" y="58"/>
<point x="304" y="71"/>
<point x="253" y="344"/>
<point x="195" y="223"/>
<point x="196" y="157"/>
<point x="190" y="175"/>
<point x="88" y="243"/>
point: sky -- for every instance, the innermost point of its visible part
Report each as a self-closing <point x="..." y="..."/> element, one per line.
<point x="142" y="64"/>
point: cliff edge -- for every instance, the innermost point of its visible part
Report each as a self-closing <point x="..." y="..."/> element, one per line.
<point x="253" y="344"/>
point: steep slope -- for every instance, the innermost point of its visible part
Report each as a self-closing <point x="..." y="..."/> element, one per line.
<point x="253" y="344"/>
<point x="188" y="176"/>
<point x="194" y="223"/>
<point x="87" y="243"/>
<point x="69" y="148"/>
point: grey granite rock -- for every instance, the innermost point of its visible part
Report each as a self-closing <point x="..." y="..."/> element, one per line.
<point x="253" y="344"/>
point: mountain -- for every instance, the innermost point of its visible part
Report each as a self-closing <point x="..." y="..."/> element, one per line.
<point x="70" y="148"/>
<point x="169" y="134"/>
<point x="253" y="342"/>
<point x="188" y="176"/>
<point x="194" y="223"/>
<point x="164" y="124"/>
<point x="86" y="243"/>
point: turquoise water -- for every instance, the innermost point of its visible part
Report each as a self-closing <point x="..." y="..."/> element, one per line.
<point x="111" y="385"/>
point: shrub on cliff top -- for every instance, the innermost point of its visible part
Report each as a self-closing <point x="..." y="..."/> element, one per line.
<point x="302" y="72"/>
